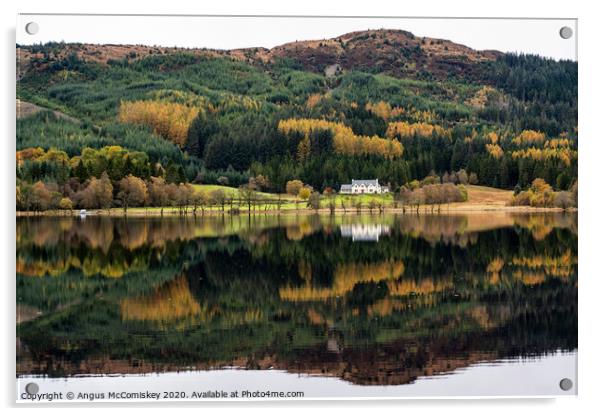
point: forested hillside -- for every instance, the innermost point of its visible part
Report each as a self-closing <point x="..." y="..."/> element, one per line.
<point x="375" y="104"/>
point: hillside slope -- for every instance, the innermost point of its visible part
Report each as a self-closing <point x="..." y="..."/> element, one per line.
<point x="379" y="104"/>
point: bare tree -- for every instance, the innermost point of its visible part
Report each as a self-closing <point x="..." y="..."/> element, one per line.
<point x="405" y="197"/>
<point x="343" y="205"/>
<point x="314" y="200"/>
<point x="157" y="193"/>
<point x="198" y="200"/>
<point x="184" y="197"/>
<point x="247" y="195"/>
<point x="218" y="196"/>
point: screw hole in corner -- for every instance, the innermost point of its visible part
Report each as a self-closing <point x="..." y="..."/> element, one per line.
<point x="566" y="384"/>
<point x="566" y="32"/>
<point x="32" y="388"/>
<point x="32" y="28"/>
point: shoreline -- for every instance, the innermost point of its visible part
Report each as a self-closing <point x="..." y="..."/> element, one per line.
<point x="171" y="212"/>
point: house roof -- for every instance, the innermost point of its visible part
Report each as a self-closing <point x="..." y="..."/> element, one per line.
<point x="345" y="187"/>
<point x="365" y="182"/>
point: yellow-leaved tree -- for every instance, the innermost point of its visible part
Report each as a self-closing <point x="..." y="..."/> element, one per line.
<point x="405" y="130"/>
<point x="169" y="120"/>
<point x="345" y="141"/>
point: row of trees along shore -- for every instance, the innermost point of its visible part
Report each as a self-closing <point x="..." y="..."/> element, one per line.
<point x="132" y="191"/>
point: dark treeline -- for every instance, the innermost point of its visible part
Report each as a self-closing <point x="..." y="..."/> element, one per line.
<point x="545" y="91"/>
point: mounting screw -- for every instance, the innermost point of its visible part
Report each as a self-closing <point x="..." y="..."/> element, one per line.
<point x="566" y="32"/>
<point x="32" y="388"/>
<point x="32" y="28"/>
<point x="566" y="384"/>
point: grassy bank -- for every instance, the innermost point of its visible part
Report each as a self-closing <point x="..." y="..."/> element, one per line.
<point x="480" y="199"/>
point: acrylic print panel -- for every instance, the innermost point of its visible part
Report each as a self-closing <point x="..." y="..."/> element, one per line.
<point x="213" y="207"/>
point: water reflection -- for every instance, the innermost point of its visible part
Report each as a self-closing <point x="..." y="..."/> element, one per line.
<point x="364" y="232"/>
<point x="427" y="295"/>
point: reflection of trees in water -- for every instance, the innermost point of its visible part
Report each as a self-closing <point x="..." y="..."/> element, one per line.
<point x="172" y="306"/>
<point x="113" y="264"/>
<point x="436" y="228"/>
<point x="542" y="224"/>
<point x="322" y="265"/>
<point x="52" y="294"/>
<point x="533" y="269"/>
<point x="169" y="302"/>
<point x="103" y="233"/>
<point x="464" y="229"/>
<point x="346" y="277"/>
<point x="396" y="348"/>
<point x="557" y="266"/>
<point x="263" y="296"/>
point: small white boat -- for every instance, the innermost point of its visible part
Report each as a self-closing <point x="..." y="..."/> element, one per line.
<point x="82" y="213"/>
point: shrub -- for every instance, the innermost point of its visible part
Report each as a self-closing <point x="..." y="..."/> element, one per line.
<point x="293" y="187"/>
<point x="304" y="192"/>
<point x="540" y="194"/>
<point x="563" y="200"/>
<point x="66" y="204"/>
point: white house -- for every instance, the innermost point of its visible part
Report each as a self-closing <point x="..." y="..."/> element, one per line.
<point x="370" y="186"/>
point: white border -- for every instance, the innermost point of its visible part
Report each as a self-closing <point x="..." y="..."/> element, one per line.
<point x="590" y="31"/>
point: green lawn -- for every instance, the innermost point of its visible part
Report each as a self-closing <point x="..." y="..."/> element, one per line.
<point x="230" y="191"/>
<point x="365" y="199"/>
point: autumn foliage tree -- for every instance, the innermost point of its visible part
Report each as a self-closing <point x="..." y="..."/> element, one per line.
<point x="98" y="193"/>
<point x="345" y="141"/>
<point x="132" y="192"/>
<point x="157" y="192"/>
<point x="41" y="197"/>
<point x="66" y="204"/>
<point x="293" y="187"/>
<point x="304" y="193"/>
<point x="404" y="130"/>
<point x="169" y="120"/>
<point x="540" y="194"/>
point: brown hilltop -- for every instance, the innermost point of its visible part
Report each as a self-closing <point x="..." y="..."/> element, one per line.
<point x="395" y="52"/>
<point x="386" y="365"/>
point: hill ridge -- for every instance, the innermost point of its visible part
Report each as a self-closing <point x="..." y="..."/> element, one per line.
<point x="392" y="51"/>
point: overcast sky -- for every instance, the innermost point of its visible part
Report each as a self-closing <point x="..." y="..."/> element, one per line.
<point x="529" y="36"/>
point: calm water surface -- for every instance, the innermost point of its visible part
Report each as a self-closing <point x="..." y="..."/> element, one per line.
<point x="365" y="300"/>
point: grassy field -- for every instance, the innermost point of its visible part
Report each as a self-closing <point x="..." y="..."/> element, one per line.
<point x="485" y="195"/>
<point x="233" y="192"/>
<point x="477" y="195"/>
<point x="292" y="202"/>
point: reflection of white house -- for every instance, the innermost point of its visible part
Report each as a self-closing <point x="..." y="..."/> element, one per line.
<point x="364" y="232"/>
<point x="370" y="186"/>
